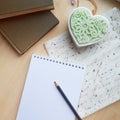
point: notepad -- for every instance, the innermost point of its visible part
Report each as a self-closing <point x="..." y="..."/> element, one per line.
<point x="40" y="99"/>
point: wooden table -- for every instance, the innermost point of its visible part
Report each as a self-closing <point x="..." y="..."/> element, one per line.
<point x="13" y="67"/>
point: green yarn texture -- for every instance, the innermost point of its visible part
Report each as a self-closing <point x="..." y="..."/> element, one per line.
<point x="87" y="28"/>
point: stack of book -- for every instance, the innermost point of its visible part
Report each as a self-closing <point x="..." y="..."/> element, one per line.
<point x="24" y="22"/>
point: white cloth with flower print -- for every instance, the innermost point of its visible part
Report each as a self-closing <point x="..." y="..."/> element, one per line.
<point x="101" y="86"/>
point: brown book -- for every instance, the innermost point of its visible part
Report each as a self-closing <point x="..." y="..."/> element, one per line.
<point x="10" y="8"/>
<point x="25" y="30"/>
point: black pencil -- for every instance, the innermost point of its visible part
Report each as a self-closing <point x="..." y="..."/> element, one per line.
<point x="67" y="101"/>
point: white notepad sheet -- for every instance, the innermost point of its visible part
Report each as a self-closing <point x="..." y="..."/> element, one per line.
<point x="40" y="99"/>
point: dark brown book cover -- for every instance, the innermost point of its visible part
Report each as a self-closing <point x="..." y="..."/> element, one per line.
<point x="24" y="31"/>
<point x="10" y="8"/>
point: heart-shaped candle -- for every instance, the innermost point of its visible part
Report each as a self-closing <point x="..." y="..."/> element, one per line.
<point x="85" y="28"/>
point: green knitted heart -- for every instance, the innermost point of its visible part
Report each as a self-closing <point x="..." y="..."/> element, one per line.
<point x="87" y="28"/>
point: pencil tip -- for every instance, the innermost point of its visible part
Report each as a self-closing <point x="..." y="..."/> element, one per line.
<point x="56" y="84"/>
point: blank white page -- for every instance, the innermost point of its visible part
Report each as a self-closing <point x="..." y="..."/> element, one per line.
<point x="40" y="99"/>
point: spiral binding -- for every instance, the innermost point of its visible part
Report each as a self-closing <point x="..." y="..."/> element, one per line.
<point x="58" y="62"/>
